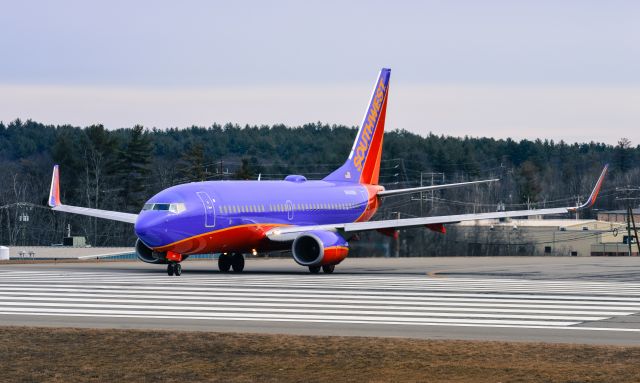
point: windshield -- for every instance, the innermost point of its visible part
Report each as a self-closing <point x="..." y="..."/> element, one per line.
<point x="177" y="207"/>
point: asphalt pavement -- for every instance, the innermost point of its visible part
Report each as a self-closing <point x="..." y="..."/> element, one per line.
<point x="551" y="299"/>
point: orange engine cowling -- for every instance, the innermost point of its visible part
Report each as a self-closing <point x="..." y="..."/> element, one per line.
<point x="318" y="248"/>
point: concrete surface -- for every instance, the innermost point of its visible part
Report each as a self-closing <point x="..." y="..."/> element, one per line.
<point x="551" y="299"/>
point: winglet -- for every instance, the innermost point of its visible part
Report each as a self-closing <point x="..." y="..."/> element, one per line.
<point x="54" y="192"/>
<point x="594" y="193"/>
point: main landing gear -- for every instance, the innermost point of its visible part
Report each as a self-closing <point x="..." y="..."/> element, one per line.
<point x="174" y="269"/>
<point x="233" y="261"/>
<point x="327" y="269"/>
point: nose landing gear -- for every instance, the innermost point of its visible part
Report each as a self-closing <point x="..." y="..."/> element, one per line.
<point x="174" y="267"/>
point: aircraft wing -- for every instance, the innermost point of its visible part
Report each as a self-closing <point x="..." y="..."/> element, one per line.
<point x="54" y="202"/>
<point x="282" y="234"/>
<point x="99" y="256"/>
<point x="386" y="193"/>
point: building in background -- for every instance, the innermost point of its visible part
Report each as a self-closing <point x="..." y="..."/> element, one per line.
<point x="618" y="215"/>
<point x="554" y="237"/>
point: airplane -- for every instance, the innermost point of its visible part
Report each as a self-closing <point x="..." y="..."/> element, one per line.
<point x="314" y="219"/>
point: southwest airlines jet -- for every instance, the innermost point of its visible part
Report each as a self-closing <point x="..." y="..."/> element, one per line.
<point x="314" y="219"/>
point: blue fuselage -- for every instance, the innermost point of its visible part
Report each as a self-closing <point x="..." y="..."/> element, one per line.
<point x="202" y="209"/>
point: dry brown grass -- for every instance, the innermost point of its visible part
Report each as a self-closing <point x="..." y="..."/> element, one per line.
<point x="82" y="355"/>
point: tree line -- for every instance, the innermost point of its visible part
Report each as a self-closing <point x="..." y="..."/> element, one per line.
<point x="119" y="169"/>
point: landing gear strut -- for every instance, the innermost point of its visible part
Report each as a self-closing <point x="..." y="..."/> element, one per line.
<point x="237" y="262"/>
<point x="328" y="269"/>
<point x="174" y="269"/>
<point x="224" y="263"/>
<point x="233" y="261"/>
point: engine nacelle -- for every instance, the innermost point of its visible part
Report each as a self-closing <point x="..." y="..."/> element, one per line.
<point x="145" y="254"/>
<point x="317" y="248"/>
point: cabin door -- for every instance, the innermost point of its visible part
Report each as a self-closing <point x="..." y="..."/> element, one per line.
<point x="209" y="209"/>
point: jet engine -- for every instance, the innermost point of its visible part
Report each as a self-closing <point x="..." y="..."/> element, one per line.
<point x="319" y="248"/>
<point x="145" y="254"/>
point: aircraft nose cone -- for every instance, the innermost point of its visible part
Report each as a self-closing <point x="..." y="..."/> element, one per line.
<point x="150" y="229"/>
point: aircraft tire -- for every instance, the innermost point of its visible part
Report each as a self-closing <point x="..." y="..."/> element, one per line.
<point x="328" y="269"/>
<point x="177" y="269"/>
<point x="224" y="263"/>
<point x="170" y="269"/>
<point x="237" y="262"/>
<point x="314" y="269"/>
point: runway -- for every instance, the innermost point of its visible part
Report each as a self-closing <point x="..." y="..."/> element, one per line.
<point x="368" y="304"/>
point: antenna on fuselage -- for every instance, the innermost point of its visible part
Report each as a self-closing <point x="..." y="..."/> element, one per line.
<point x="259" y="176"/>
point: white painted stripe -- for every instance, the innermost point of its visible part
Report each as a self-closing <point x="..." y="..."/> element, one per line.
<point x="276" y="298"/>
<point x="296" y="317"/>
<point x="396" y="279"/>
<point x="584" y="299"/>
<point x="347" y="279"/>
<point x="216" y="304"/>
<point x="494" y="288"/>
<point x="329" y="312"/>
<point x="543" y="327"/>
<point x="333" y="278"/>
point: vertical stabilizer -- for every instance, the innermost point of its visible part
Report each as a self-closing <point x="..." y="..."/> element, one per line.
<point x="363" y="164"/>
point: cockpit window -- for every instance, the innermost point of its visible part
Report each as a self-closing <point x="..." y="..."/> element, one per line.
<point x="162" y="206"/>
<point x="177" y="207"/>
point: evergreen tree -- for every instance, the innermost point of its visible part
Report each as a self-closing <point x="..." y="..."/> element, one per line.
<point x="135" y="168"/>
<point x="194" y="163"/>
<point x="622" y="155"/>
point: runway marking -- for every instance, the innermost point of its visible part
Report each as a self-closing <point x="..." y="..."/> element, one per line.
<point x="392" y="283"/>
<point x="329" y="309"/>
<point x="583" y="299"/>
<point x="632" y="330"/>
<point x="349" y="299"/>
<point x="277" y="300"/>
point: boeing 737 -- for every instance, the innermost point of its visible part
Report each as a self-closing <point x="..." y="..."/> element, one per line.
<point x="313" y="219"/>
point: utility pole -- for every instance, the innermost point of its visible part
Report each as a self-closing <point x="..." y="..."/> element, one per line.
<point x="628" y="193"/>
<point x="635" y="229"/>
<point x="432" y="175"/>
<point x="397" y="255"/>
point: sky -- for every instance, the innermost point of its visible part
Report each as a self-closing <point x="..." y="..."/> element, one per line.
<point x="562" y="70"/>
